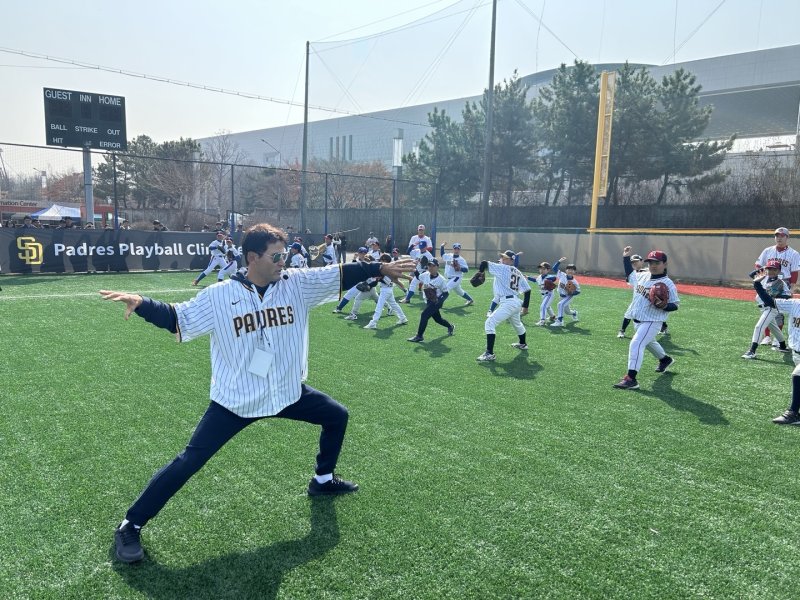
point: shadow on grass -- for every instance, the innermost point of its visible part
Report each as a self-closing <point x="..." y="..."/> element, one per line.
<point x="255" y="574"/>
<point x="672" y="348"/>
<point x="707" y="414"/>
<point x="568" y="329"/>
<point x="432" y="346"/>
<point x="521" y="367"/>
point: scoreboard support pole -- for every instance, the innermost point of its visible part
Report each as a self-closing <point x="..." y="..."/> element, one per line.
<point x="87" y="185"/>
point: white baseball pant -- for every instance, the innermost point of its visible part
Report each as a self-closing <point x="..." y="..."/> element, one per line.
<point x="509" y="309"/>
<point x="644" y="337"/>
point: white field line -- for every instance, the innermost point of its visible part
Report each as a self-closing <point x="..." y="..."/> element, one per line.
<point x="90" y="294"/>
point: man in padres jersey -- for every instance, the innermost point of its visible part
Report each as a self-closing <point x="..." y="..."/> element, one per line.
<point x="647" y="319"/>
<point x="259" y="362"/>
<point x="509" y="282"/>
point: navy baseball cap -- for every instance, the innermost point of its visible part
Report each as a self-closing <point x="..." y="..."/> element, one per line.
<point x="433" y="262"/>
<point x="545" y="265"/>
<point x="656" y="256"/>
<point x="395" y="250"/>
<point x="296" y="246"/>
<point x="636" y="257"/>
<point x="423" y="244"/>
<point x="508" y="254"/>
<point x="456" y="245"/>
<point x="362" y="249"/>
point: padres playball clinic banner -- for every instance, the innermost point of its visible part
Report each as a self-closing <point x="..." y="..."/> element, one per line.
<point x="82" y="250"/>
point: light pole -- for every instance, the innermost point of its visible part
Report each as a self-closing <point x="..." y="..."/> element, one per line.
<point x="397" y="163"/>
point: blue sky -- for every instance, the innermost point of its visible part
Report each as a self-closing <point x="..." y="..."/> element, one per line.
<point x="258" y="47"/>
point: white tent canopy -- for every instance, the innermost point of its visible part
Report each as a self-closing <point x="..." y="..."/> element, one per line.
<point x="57" y="212"/>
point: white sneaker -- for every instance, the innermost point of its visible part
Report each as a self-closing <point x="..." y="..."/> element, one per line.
<point x="541" y="322"/>
<point x="351" y="317"/>
<point x="485" y="357"/>
<point x="519" y="346"/>
<point x="469" y="302"/>
<point x="767" y="341"/>
<point x="488" y="313"/>
<point x="575" y="316"/>
<point x="557" y="323"/>
<point x="371" y="325"/>
<point x="402" y="322"/>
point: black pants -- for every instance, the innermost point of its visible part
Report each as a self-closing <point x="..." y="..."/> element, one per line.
<point x="219" y="425"/>
<point x="432" y="312"/>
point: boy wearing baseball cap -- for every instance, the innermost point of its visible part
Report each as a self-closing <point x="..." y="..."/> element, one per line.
<point x="790" y="265"/>
<point x="770" y="316"/>
<point x="637" y="266"/>
<point x="648" y="315"/>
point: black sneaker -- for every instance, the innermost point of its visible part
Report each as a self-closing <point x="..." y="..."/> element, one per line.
<point x="128" y="545"/>
<point x="335" y="486"/>
<point x="416" y="338"/>
<point x="664" y="364"/>
<point x="790" y="417"/>
<point x="451" y="329"/>
<point x="626" y="383"/>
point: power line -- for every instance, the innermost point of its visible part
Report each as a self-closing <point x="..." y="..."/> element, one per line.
<point x="199" y="86"/>
<point x="542" y="24"/>
<point x="385" y="19"/>
<point x="694" y="31"/>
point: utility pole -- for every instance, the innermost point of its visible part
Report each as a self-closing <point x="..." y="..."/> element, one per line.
<point x="487" y="152"/>
<point x="305" y="152"/>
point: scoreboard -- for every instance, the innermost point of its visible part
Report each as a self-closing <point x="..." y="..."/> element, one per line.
<point x="84" y="120"/>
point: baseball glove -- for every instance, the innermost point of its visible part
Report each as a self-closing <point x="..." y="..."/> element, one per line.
<point x="430" y="294"/>
<point x="478" y="279"/>
<point x="549" y="284"/>
<point x="570" y="288"/>
<point x="423" y="262"/>
<point x="775" y="288"/>
<point x="659" y="295"/>
<point x="362" y="287"/>
<point x="230" y="256"/>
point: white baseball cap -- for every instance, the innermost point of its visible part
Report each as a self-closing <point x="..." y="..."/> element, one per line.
<point x="782" y="231"/>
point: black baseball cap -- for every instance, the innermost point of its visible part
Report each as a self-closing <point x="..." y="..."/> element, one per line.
<point x="636" y="257"/>
<point x="508" y="254"/>
<point x="433" y="262"/>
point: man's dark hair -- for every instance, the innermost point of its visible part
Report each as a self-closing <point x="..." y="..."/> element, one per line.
<point x="258" y="237"/>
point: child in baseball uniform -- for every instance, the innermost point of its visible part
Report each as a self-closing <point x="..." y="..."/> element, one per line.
<point x="547" y="280"/>
<point x="422" y="251"/>
<point x="509" y="283"/>
<point x="566" y="293"/>
<point x="455" y="268"/>
<point x="638" y="267"/>
<point x="771" y="317"/>
<point x="647" y="317"/>
<point x="386" y="297"/>
<point x="231" y="255"/>
<point x="218" y="259"/>
<point x="361" y="256"/>
<point x="791" y="308"/>
<point x="435" y="292"/>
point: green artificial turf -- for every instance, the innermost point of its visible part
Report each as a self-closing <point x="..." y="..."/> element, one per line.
<point x="528" y="477"/>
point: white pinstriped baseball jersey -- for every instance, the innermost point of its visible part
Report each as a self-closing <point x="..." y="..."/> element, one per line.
<point x="508" y="280"/>
<point x="791" y="308"/>
<point x="239" y="322"/>
<point x="449" y="259"/>
<point x="788" y="257"/>
<point x="641" y="309"/>
<point x="298" y="261"/>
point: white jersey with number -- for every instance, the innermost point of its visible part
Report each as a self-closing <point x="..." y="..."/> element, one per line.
<point x="788" y="257"/>
<point x="239" y="321"/>
<point x="641" y="309"/>
<point x="298" y="261"/>
<point x="508" y="280"/>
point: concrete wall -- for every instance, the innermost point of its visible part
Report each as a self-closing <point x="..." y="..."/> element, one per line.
<point x="712" y="259"/>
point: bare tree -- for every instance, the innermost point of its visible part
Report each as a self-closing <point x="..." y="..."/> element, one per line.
<point x="223" y="152"/>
